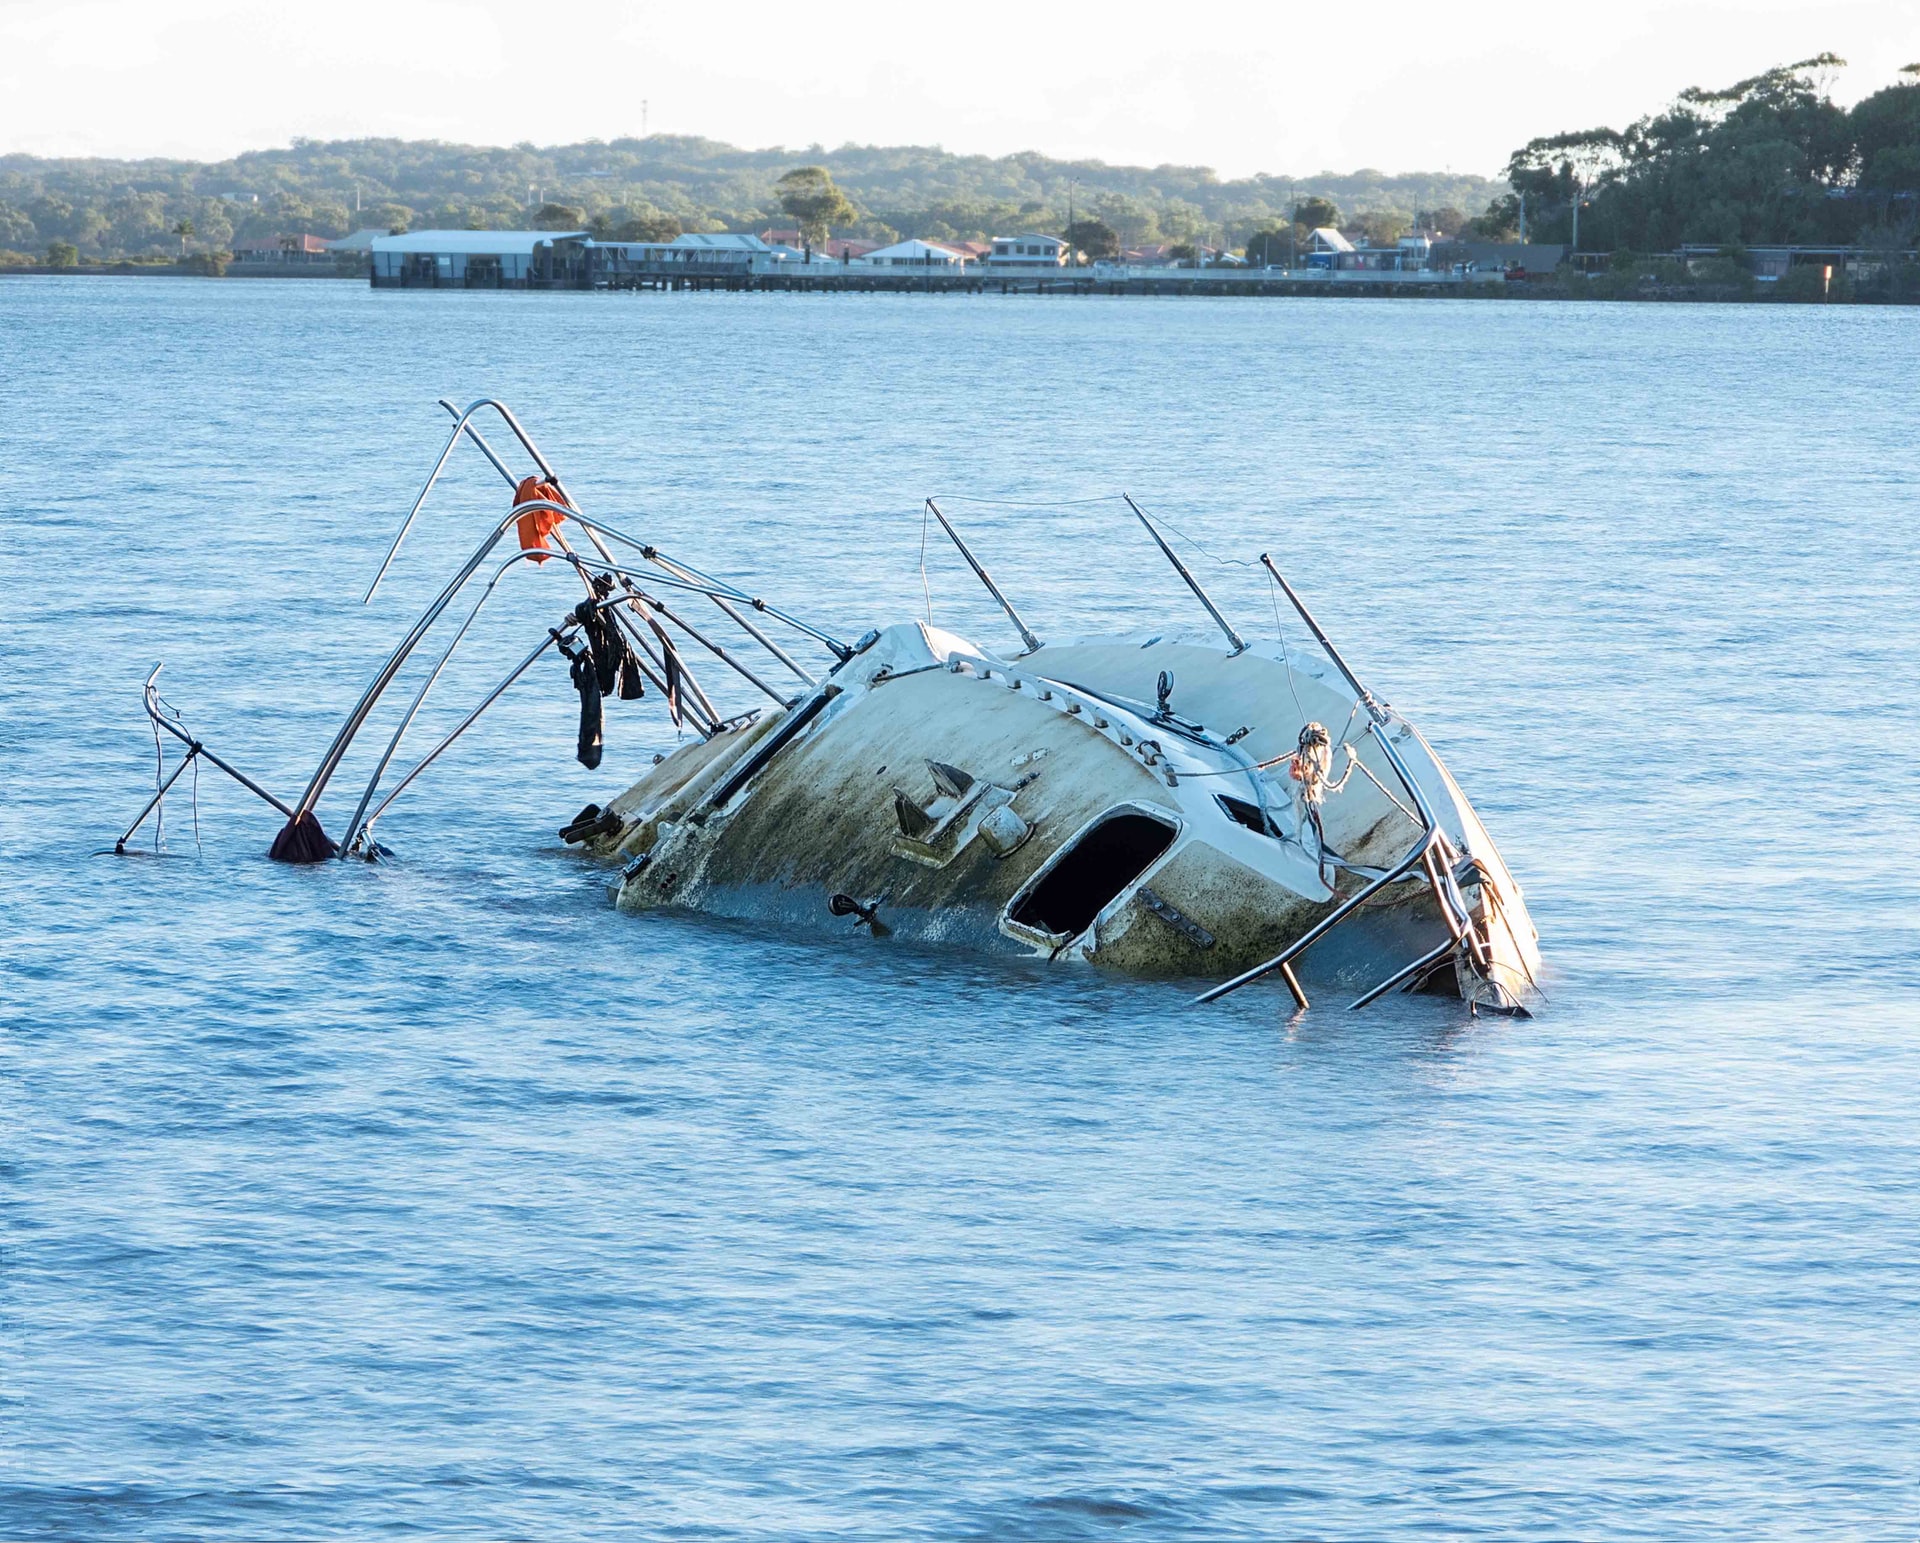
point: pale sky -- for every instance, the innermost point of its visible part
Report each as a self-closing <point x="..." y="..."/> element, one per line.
<point x="1241" y="87"/>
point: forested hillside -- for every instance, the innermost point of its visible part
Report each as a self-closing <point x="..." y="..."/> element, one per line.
<point x="110" y="208"/>
<point x="1767" y="160"/>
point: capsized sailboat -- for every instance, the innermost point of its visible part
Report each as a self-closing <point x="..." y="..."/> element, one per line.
<point x="1142" y="804"/>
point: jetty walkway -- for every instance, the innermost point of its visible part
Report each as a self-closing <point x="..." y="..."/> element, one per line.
<point x="836" y="278"/>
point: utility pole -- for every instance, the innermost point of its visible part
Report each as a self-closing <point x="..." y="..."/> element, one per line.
<point x="1073" y="253"/>
<point x="1523" y="219"/>
<point x="643" y="117"/>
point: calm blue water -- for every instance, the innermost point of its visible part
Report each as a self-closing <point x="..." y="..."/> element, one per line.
<point x="437" y="1199"/>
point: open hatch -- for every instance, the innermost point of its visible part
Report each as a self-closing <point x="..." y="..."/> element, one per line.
<point x="1091" y="872"/>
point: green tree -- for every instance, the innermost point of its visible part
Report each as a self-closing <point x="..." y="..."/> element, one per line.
<point x="559" y="217"/>
<point x="62" y="254"/>
<point x="1768" y="159"/>
<point x="1270" y="247"/>
<point x="1095" y="238"/>
<point x="1808" y="283"/>
<point x="1134" y="220"/>
<point x="808" y="196"/>
<point x="1566" y="168"/>
<point x="1382" y="227"/>
<point x="1886" y="136"/>
<point x="16" y="230"/>
<point x="653" y="226"/>
<point x="630" y="223"/>
<point x="1501" y="222"/>
<point x="183" y="228"/>
<point x="1315" y="212"/>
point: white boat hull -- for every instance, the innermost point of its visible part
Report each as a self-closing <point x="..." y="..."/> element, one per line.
<point x="1046" y="805"/>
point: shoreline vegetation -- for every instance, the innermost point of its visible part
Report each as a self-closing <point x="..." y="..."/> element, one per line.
<point x="1669" y="208"/>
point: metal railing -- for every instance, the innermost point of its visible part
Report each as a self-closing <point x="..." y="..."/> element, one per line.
<point x="632" y="598"/>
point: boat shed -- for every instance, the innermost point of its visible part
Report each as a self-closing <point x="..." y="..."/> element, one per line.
<point x="479" y="259"/>
<point x="917" y="254"/>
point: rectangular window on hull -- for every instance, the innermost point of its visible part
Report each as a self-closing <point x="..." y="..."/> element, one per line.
<point x="1247" y="814"/>
<point x="1092" y="873"/>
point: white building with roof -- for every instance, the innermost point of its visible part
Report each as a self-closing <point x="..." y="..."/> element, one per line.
<point x="1028" y="251"/>
<point x="1327" y="248"/>
<point x="476" y="259"/>
<point x="917" y="254"/>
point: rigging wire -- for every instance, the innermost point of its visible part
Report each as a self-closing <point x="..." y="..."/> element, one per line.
<point x="1212" y="557"/>
<point x="1030" y="503"/>
<point x="1286" y="659"/>
<point x="159" y="768"/>
<point x="926" y="594"/>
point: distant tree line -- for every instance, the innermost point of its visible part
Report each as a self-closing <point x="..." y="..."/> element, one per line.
<point x="654" y="188"/>
<point x="1770" y="160"/>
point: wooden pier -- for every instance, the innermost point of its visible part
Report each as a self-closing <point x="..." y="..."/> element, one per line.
<point x="834" y="278"/>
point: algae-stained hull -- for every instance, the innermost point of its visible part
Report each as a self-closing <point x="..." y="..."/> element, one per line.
<point x="1055" y="805"/>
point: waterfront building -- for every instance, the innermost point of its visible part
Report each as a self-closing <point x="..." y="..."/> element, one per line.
<point x="1769" y="264"/>
<point x="918" y="254"/>
<point x="1325" y="247"/>
<point x="696" y="257"/>
<point x="478" y="259"/>
<point x="840" y="248"/>
<point x="286" y="251"/>
<point x="1028" y="251"/>
<point x="1516" y="259"/>
<point x="720" y="241"/>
